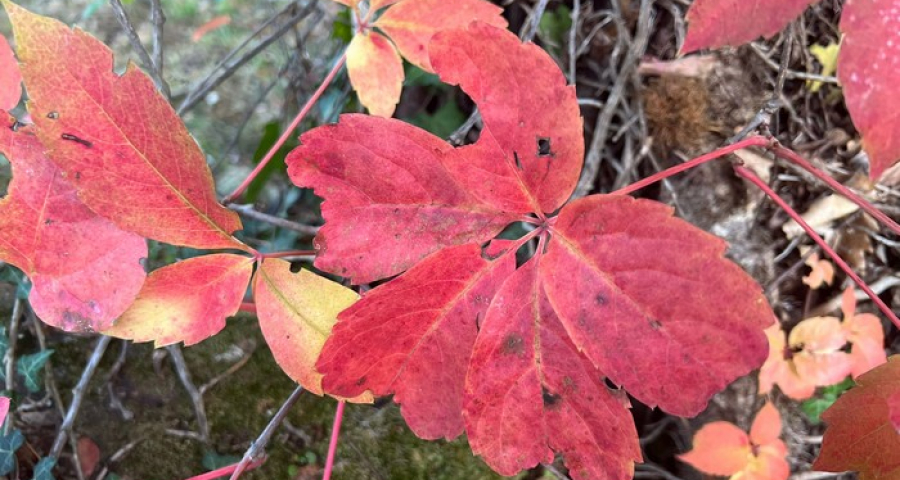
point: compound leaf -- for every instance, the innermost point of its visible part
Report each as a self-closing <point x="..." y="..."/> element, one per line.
<point x="868" y="67"/>
<point x="720" y="23"/>
<point x="296" y="314"/>
<point x="376" y="72"/>
<point x="116" y="139"/>
<point x="85" y="271"/>
<point x="863" y="423"/>
<point x="187" y="301"/>
<point x="666" y="291"/>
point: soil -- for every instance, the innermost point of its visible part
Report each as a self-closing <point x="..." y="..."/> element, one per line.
<point x="140" y="416"/>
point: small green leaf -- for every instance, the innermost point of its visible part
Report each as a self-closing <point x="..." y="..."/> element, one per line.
<point x="443" y="122"/>
<point x="8" y="446"/>
<point x="555" y="25"/>
<point x="44" y="469"/>
<point x="342" y="27"/>
<point x="271" y="132"/>
<point x="214" y="461"/>
<point x="814" y="407"/>
<point x="29" y="368"/>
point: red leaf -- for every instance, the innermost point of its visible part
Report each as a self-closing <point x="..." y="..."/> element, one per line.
<point x="419" y="331"/>
<point x="862" y="434"/>
<point x="296" y="314"/>
<point x="412" y="23"/>
<point x="10" y="77"/>
<point x="719" y="23"/>
<point x="666" y="291"/>
<point x="85" y="271"/>
<point x="187" y="301"/>
<point x="117" y="139"/>
<point x="531" y="150"/>
<point x="530" y="393"/>
<point x="868" y="67"/>
<point x="4" y="408"/>
<point x="387" y="191"/>
<point x="394" y="194"/>
<point x="88" y="455"/>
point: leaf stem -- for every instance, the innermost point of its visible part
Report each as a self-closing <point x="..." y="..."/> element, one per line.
<point x="289" y="253"/>
<point x="841" y="189"/>
<point x="248" y="307"/>
<point x="755" y="141"/>
<point x="332" y="445"/>
<point x="289" y="130"/>
<point x="754" y="179"/>
<point x="221" y="472"/>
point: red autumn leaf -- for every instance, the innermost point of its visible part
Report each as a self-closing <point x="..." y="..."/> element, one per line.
<point x="517" y="359"/>
<point x="214" y="24"/>
<point x="10" y="77"/>
<point x="719" y="23"/>
<point x="116" y="139"/>
<point x="88" y="455"/>
<point x="296" y="314"/>
<point x="187" y="301"/>
<point x="84" y="270"/>
<point x="4" y="409"/>
<point x="868" y="67"/>
<point x="723" y="449"/>
<point x="862" y="431"/>
<point x="373" y="61"/>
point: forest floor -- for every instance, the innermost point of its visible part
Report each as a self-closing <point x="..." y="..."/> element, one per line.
<point x="642" y="113"/>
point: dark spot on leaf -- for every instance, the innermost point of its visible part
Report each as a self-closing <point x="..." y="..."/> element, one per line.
<point x="53" y="115"/>
<point x="16" y="125"/>
<point x="78" y="140"/>
<point x="518" y="162"/>
<point x="361" y="381"/>
<point x="550" y="399"/>
<point x="478" y="321"/>
<point x="600" y="299"/>
<point x="654" y="324"/>
<point x="543" y="145"/>
<point x="77" y="175"/>
<point x="48" y="221"/>
<point x="396" y="211"/>
<point x="513" y="345"/>
<point x="76" y="322"/>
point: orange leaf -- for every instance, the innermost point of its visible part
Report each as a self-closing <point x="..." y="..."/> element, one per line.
<point x="296" y="314"/>
<point x="117" y="139"/>
<point x="84" y="270"/>
<point x="820" y="358"/>
<point x="822" y="272"/>
<point x="866" y="335"/>
<point x="766" y="427"/>
<point x="720" y="448"/>
<point x="187" y="301"/>
<point x="376" y="72"/>
<point x="10" y="77"/>
<point x="412" y="23"/>
<point x="215" y="23"/>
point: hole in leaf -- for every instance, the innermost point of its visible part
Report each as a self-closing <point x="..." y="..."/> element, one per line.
<point x="550" y="399"/>
<point x="654" y="324"/>
<point x="518" y="162"/>
<point x="600" y="300"/>
<point x="609" y="384"/>
<point x="543" y="144"/>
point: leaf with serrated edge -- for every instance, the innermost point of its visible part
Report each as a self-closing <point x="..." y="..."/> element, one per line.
<point x="85" y="271"/>
<point x="10" y="77"/>
<point x="418" y="332"/>
<point x="530" y="152"/>
<point x="530" y="392"/>
<point x="411" y="24"/>
<point x="116" y="139"/>
<point x="187" y="301"/>
<point x="296" y="314"/>
<point x="689" y="307"/>
<point x="862" y="434"/>
<point x="719" y="23"/>
<point x="386" y="190"/>
<point x="376" y="72"/>
<point x="868" y="67"/>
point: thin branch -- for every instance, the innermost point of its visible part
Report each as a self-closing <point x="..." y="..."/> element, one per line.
<point x="573" y="39"/>
<point x="158" y="19"/>
<point x="196" y="397"/>
<point x="152" y="68"/>
<point x="257" y="449"/>
<point x="247" y="210"/>
<point x="78" y="393"/>
<point x="11" y="357"/>
<point x="332" y="444"/>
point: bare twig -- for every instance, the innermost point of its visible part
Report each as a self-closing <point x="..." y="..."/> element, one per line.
<point x="11" y="357"/>
<point x="231" y="63"/>
<point x="257" y="449"/>
<point x="196" y="397"/>
<point x="230" y="371"/>
<point x="601" y="127"/>
<point x="247" y="210"/>
<point x="78" y="393"/>
<point x="152" y="68"/>
<point x="573" y="40"/>
<point x="158" y="19"/>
